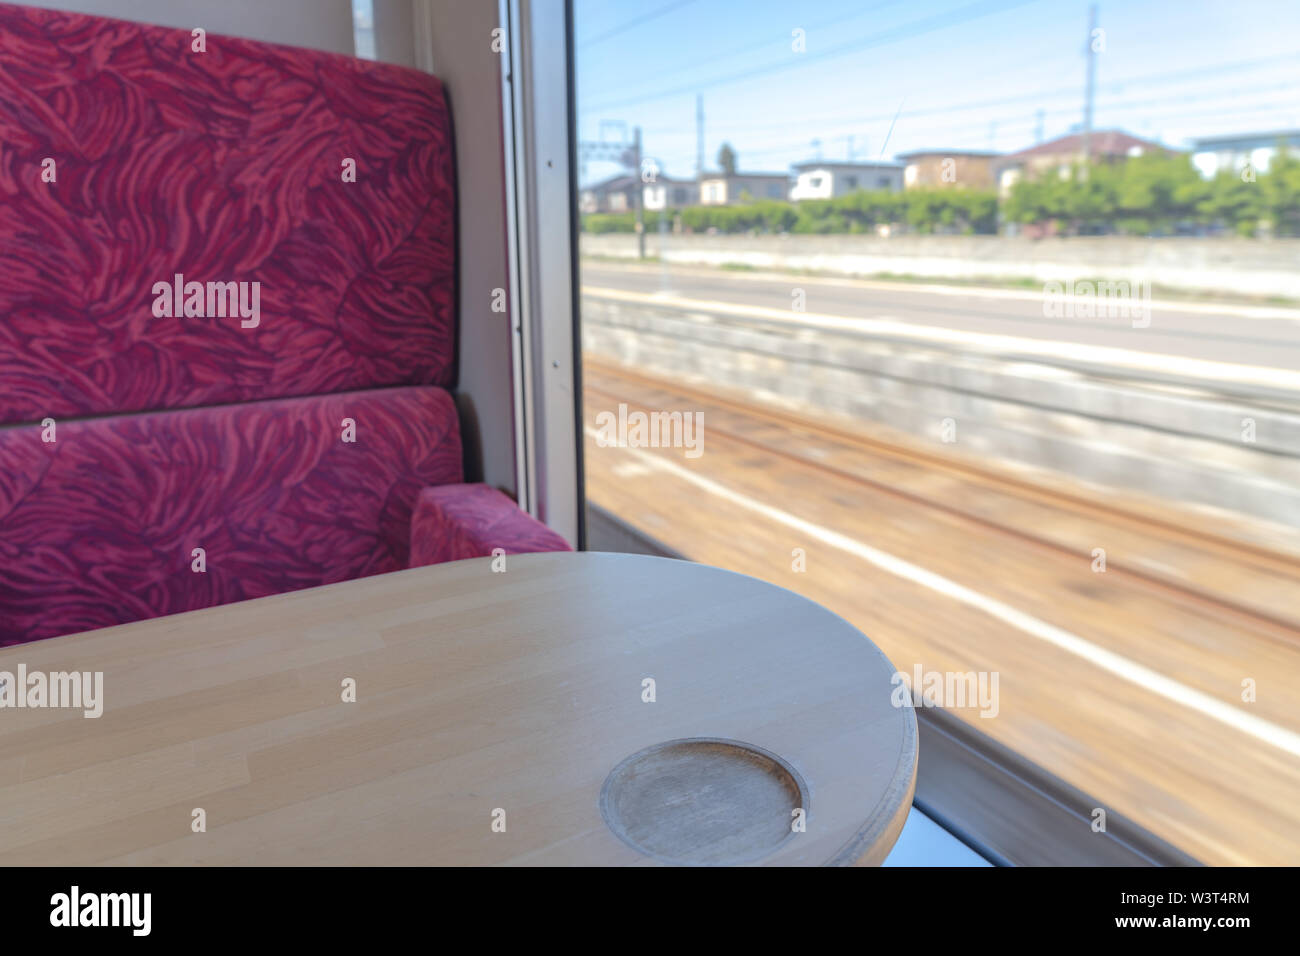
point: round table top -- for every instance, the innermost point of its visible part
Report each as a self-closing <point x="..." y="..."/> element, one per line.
<point x="588" y="708"/>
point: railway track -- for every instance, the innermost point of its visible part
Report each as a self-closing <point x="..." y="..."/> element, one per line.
<point x="1274" y="622"/>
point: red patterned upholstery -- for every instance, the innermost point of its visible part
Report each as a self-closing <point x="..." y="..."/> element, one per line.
<point x="99" y="527"/>
<point x="468" y="521"/>
<point x="223" y="166"/>
<point x="127" y="158"/>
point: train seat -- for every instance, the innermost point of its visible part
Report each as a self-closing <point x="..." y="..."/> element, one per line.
<point x="155" y="460"/>
<point x="451" y="522"/>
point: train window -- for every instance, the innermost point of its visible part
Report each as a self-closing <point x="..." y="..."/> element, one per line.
<point x="363" y="28"/>
<point x="1028" y="415"/>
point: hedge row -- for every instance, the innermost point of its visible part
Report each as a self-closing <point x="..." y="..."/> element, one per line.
<point x="1154" y="193"/>
<point x="921" y="210"/>
<point x="1163" y="193"/>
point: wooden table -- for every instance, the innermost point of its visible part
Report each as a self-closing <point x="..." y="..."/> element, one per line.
<point x="499" y="718"/>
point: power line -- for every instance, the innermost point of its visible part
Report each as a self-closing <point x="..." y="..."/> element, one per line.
<point x="1061" y="92"/>
<point x="1123" y="104"/>
<point x="634" y="22"/>
<point x="805" y="118"/>
<point x="1015" y="120"/>
<point x="1027" y="122"/>
<point x="940" y="21"/>
<point x="825" y="24"/>
<point x="891" y="127"/>
<point x="1261" y="111"/>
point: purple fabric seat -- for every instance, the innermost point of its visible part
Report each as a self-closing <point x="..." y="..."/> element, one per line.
<point x="100" y="527"/>
<point x="452" y="522"/>
<point x="211" y="259"/>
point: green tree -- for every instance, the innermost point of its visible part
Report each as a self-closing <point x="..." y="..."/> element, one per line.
<point x="1154" y="192"/>
<point x="1280" y="195"/>
<point x="727" y="159"/>
<point x="1233" y="203"/>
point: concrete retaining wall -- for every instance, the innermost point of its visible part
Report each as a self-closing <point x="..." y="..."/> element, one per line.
<point x="1172" y="443"/>
<point x="1249" y="267"/>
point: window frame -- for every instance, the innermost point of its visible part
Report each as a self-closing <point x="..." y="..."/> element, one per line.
<point x="538" y="116"/>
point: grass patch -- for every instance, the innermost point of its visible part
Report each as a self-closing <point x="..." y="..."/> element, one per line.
<point x="1006" y="282"/>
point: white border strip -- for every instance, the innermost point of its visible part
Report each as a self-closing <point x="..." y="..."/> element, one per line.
<point x="1201" y="369"/>
<point x="704" y="271"/>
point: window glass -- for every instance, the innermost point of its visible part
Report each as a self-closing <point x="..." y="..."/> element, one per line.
<point x="363" y="28"/>
<point x="1029" y="414"/>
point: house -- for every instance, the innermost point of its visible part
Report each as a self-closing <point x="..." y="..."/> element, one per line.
<point x="1214" y="153"/>
<point x="720" y="189"/>
<point x="948" y="167"/>
<point x="618" y="194"/>
<point x="1060" y="155"/>
<point x="668" y="193"/>
<point x="818" y="179"/>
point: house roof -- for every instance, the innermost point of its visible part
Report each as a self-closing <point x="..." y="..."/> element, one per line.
<point x="820" y="164"/>
<point x="629" y="181"/>
<point x="722" y="175"/>
<point x="615" y="182"/>
<point x="968" y="153"/>
<point x="1268" y="137"/>
<point x="1106" y="142"/>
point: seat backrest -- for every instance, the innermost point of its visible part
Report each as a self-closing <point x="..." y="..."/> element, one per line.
<point x="320" y="182"/>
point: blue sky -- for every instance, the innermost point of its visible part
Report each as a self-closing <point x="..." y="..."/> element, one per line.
<point x="959" y="74"/>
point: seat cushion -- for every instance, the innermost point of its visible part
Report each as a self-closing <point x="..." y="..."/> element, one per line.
<point x="100" y="526"/>
<point x="453" y="522"/>
<point x="222" y="166"/>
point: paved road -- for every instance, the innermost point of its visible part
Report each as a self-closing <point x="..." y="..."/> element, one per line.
<point x="1226" y="333"/>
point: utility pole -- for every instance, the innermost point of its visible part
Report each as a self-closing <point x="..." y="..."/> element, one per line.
<point x="1090" y="52"/>
<point x="699" y="136"/>
<point x="627" y="156"/>
<point x="638" y="193"/>
<point x="664" y="284"/>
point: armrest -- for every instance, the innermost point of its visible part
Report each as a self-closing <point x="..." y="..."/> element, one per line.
<point x="451" y="522"/>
